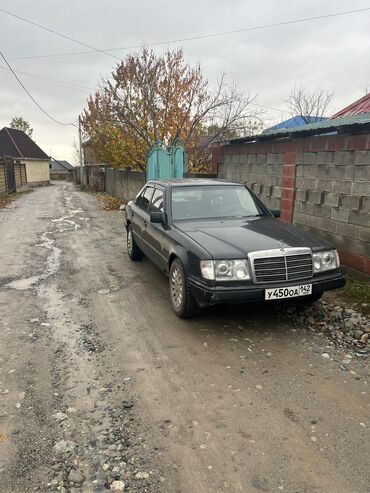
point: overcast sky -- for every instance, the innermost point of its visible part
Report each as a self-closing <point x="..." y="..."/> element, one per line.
<point x="333" y="53"/>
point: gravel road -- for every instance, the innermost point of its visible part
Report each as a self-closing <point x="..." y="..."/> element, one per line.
<point x="103" y="388"/>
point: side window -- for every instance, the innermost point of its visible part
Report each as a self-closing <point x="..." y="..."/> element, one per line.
<point x="139" y="197"/>
<point x="143" y="200"/>
<point x="157" y="201"/>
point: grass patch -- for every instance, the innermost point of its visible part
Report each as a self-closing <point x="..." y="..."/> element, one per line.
<point x="355" y="290"/>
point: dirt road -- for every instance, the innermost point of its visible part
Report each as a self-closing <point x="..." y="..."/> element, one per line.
<point x="103" y="387"/>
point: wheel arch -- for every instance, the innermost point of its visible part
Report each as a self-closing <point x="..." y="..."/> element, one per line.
<point x="179" y="253"/>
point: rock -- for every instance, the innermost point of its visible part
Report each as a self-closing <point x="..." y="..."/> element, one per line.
<point x="59" y="416"/>
<point x="364" y="338"/>
<point x="260" y="483"/>
<point x="259" y="387"/>
<point x="64" y="447"/>
<point x="117" y="486"/>
<point x="128" y="404"/>
<point x="76" y="476"/>
<point x="326" y="355"/>
<point x="358" y="334"/>
<point x="142" y="475"/>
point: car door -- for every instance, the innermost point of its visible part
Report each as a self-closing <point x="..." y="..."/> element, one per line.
<point x="140" y="216"/>
<point x="154" y="233"/>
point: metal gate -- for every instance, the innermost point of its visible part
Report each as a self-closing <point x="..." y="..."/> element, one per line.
<point x="166" y="162"/>
<point x="9" y="175"/>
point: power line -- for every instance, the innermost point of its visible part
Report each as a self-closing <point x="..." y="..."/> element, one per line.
<point x="270" y="107"/>
<point x="179" y="40"/>
<point x="58" y="34"/>
<point x="30" y="95"/>
<point x="69" y="85"/>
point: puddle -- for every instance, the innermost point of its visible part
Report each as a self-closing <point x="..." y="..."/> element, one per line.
<point x="52" y="266"/>
<point x="53" y="259"/>
<point x="22" y="284"/>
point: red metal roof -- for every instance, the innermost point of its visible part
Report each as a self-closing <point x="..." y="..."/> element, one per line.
<point x="362" y="105"/>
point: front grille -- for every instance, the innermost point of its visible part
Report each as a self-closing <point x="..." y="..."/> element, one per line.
<point x="283" y="268"/>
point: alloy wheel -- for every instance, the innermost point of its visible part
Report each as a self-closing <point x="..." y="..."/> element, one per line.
<point x="129" y="241"/>
<point x="177" y="287"/>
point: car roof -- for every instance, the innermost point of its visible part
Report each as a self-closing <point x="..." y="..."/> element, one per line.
<point x="184" y="182"/>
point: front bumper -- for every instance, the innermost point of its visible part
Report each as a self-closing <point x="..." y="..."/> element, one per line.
<point x="212" y="295"/>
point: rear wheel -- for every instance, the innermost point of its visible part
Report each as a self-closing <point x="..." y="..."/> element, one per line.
<point x="182" y="300"/>
<point x="133" y="250"/>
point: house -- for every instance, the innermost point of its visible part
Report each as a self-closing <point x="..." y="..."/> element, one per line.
<point x="60" y="170"/>
<point x="317" y="174"/>
<point x="19" y="146"/>
<point x="358" y="107"/>
<point x="296" y="121"/>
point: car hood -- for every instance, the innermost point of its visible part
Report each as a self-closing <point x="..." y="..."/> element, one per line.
<point x="234" y="238"/>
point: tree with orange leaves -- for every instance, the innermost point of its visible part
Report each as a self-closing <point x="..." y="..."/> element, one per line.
<point x="152" y="98"/>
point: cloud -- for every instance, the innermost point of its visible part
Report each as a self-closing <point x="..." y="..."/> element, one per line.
<point x="330" y="53"/>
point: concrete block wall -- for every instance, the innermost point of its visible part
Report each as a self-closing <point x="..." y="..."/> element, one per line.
<point x="332" y="197"/>
<point x="321" y="184"/>
<point x="123" y="183"/>
<point x="261" y="172"/>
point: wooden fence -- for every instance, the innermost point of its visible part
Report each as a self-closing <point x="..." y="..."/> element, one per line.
<point x="13" y="175"/>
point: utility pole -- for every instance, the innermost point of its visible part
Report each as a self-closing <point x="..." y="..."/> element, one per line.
<point x="81" y="151"/>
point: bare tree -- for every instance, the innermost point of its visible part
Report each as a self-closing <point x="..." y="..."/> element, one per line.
<point x="153" y="98"/>
<point x="75" y="151"/>
<point x="308" y="104"/>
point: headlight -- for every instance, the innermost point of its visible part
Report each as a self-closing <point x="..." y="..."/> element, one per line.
<point x="225" y="270"/>
<point x="323" y="261"/>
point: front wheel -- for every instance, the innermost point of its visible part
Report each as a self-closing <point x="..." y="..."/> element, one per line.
<point x="182" y="300"/>
<point x="133" y="250"/>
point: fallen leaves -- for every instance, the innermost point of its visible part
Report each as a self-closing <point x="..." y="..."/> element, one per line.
<point x="109" y="203"/>
<point x="6" y="199"/>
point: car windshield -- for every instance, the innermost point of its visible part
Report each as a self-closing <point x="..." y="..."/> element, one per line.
<point x="213" y="202"/>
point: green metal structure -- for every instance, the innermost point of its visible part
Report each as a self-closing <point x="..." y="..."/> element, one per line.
<point x="166" y="162"/>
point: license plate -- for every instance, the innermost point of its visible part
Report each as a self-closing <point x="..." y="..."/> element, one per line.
<point x="289" y="292"/>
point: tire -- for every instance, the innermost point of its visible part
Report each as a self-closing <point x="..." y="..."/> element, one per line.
<point x="183" y="302"/>
<point x="133" y="250"/>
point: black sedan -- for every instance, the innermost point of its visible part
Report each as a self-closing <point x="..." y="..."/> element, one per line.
<point x="218" y="243"/>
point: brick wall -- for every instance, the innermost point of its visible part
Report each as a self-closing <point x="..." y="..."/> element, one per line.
<point x="320" y="183"/>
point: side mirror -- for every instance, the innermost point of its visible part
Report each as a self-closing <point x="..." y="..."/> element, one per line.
<point x="157" y="218"/>
<point x="275" y="213"/>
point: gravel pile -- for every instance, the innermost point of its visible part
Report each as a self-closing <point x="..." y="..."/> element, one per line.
<point x="345" y="326"/>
